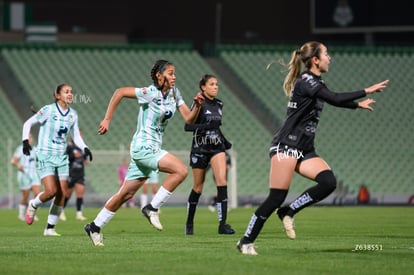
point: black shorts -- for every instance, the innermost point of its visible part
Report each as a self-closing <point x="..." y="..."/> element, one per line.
<point x="201" y="160"/>
<point x="290" y="151"/>
<point x="77" y="179"/>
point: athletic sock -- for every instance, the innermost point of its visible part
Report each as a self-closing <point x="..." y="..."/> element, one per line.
<point x="272" y="202"/>
<point x="103" y="217"/>
<point x="222" y="204"/>
<point x="79" y="203"/>
<point x="192" y="202"/>
<point x="143" y="200"/>
<point x="160" y="197"/>
<point x="326" y="185"/>
<point x="36" y="201"/>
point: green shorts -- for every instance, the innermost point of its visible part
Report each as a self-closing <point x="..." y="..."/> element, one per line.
<point x="143" y="163"/>
<point x="53" y="165"/>
<point x="26" y="180"/>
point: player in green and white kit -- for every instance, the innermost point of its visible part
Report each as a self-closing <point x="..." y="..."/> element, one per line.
<point x="26" y="176"/>
<point x="56" y="121"/>
<point x="157" y="105"/>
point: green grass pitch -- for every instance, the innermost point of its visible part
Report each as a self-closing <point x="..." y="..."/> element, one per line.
<point x="330" y="240"/>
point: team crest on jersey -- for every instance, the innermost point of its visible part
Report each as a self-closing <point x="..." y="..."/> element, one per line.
<point x="71" y="118"/>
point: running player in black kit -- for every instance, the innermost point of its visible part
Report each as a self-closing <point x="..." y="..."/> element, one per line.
<point x="208" y="147"/>
<point x="292" y="148"/>
<point x="76" y="178"/>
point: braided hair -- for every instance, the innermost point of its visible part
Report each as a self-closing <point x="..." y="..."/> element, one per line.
<point x="159" y="66"/>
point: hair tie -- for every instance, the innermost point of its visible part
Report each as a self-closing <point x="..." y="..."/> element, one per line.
<point x="298" y="51"/>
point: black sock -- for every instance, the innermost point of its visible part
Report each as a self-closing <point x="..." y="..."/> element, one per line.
<point x="192" y="206"/>
<point x="95" y="228"/>
<point x="222" y="204"/>
<point x="79" y="202"/>
<point x="66" y="202"/>
<point x="326" y="185"/>
<point x="49" y="226"/>
<point x="272" y="202"/>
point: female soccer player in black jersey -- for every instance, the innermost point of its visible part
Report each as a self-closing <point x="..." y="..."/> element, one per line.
<point x="292" y="148"/>
<point x="208" y="146"/>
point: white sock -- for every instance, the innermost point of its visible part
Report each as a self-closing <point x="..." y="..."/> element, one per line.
<point x="103" y="217"/>
<point x="144" y="200"/>
<point x="54" y="213"/>
<point x="79" y="213"/>
<point x="22" y="210"/>
<point x="160" y="197"/>
<point x="36" y="201"/>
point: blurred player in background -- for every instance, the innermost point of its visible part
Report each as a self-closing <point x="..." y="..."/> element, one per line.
<point x="153" y="182"/>
<point x="26" y="175"/>
<point x="77" y="162"/>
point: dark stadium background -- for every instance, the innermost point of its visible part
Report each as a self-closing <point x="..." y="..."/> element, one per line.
<point x="240" y="21"/>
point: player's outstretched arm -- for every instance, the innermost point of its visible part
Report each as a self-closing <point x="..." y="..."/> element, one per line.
<point x="118" y="95"/>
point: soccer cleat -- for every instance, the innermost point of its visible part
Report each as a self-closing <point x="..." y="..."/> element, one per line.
<point x="211" y="208"/>
<point x="246" y="249"/>
<point x="51" y="232"/>
<point x="288" y="224"/>
<point x="30" y="213"/>
<point x="36" y="219"/>
<point x="80" y="217"/>
<point x="152" y="216"/>
<point x="189" y="229"/>
<point x="21" y="217"/>
<point x="226" y="229"/>
<point x="62" y="216"/>
<point x="96" y="238"/>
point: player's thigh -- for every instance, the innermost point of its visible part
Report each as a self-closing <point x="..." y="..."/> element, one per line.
<point x="282" y="169"/>
<point x="310" y="168"/>
<point x="171" y="164"/>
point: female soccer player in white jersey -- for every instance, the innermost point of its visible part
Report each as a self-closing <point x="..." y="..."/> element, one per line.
<point x="292" y="148"/>
<point x="157" y="105"/>
<point x="56" y="121"/>
<point x="26" y="176"/>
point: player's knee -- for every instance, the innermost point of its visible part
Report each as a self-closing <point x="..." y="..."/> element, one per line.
<point x="182" y="172"/>
<point x="327" y="180"/>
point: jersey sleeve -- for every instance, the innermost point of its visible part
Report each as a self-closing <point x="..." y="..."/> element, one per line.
<point x="146" y="94"/>
<point x="345" y="100"/>
<point x="43" y="114"/>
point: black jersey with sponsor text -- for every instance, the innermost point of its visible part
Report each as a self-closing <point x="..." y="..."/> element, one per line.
<point x="304" y="109"/>
<point x="76" y="161"/>
<point x="207" y="136"/>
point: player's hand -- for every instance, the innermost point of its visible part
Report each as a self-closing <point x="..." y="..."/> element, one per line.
<point x="26" y="147"/>
<point x="199" y="99"/>
<point x="379" y="87"/>
<point x="87" y="153"/>
<point x="103" y="126"/>
<point x="365" y="104"/>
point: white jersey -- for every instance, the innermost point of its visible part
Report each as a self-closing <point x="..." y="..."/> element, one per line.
<point x="155" y="110"/>
<point x="28" y="162"/>
<point x="55" y="125"/>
